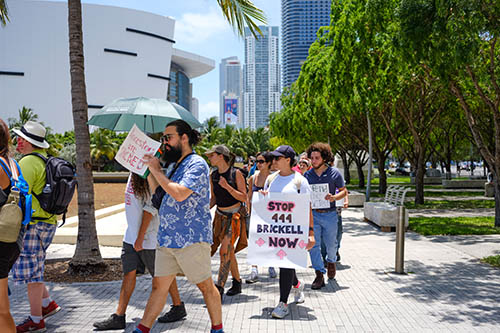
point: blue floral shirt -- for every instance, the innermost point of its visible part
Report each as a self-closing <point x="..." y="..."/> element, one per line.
<point x="187" y="222"/>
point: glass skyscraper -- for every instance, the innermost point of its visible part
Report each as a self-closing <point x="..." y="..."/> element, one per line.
<point x="261" y="77"/>
<point x="300" y="21"/>
<point x="230" y="88"/>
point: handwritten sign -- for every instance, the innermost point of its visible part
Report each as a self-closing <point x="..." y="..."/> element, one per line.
<point x="135" y="146"/>
<point x="279" y="230"/>
<point x="318" y="193"/>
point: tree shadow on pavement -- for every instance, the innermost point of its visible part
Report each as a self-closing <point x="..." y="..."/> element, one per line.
<point x="470" y="287"/>
<point x="297" y="312"/>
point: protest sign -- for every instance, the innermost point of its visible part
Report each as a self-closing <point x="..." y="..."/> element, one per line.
<point x="136" y="145"/>
<point x="318" y="194"/>
<point x="279" y="230"/>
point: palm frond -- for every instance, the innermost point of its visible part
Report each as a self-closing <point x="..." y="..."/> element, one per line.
<point x="4" y="12"/>
<point x="243" y="12"/>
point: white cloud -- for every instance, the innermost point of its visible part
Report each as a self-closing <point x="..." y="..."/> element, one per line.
<point x="208" y="110"/>
<point x="200" y="27"/>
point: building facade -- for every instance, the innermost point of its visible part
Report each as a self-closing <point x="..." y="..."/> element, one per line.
<point x="231" y="88"/>
<point x="300" y="21"/>
<point x="128" y="53"/>
<point x="261" y="77"/>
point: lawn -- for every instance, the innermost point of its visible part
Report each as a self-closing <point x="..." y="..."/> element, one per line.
<point x="452" y="204"/>
<point x="431" y="194"/>
<point x="492" y="260"/>
<point x="390" y="180"/>
<point x="454" y="225"/>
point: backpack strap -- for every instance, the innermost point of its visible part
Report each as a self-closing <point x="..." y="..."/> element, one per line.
<point x="45" y="159"/>
<point x="6" y="168"/>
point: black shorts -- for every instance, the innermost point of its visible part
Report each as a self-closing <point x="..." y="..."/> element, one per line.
<point x="133" y="260"/>
<point x="8" y="256"/>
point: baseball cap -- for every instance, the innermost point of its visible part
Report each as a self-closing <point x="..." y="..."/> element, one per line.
<point x="285" y="151"/>
<point x="219" y="149"/>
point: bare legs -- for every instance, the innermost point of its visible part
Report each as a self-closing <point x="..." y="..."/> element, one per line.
<point x="6" y="321"/>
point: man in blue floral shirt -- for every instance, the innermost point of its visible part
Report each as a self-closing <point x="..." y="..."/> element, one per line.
<point x="185" y="232"/>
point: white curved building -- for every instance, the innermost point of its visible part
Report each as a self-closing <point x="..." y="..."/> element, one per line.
<point x="127" y="53"/>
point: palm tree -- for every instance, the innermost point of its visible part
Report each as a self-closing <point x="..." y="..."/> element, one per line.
<point x="87" y="255"/>
<point x="4" y="17"/>
<point x="24" y="115"/>
<point x="102" y="146"/>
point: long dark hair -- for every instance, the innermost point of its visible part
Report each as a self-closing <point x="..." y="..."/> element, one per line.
<point x="4" y="139"/>
<point x="140" y="187"/>
<point x="184" y="128"/>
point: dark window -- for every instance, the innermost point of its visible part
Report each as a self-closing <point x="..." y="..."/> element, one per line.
<point x="150" y="34"/>
<point x="12" y="73"/>
<point x="121" y="52"/>
<point x="92" y="106"/>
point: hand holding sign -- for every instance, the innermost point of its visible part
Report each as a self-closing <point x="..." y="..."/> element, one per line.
<point x="132" y="151"/>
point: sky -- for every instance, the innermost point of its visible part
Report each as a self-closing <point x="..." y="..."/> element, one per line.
<point x="200" y="28"/>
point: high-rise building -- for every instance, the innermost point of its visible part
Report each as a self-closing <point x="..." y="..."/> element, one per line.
<point x="230" y="88"/>
<point x="261" y="77"/>
<point x="300" y="21"/>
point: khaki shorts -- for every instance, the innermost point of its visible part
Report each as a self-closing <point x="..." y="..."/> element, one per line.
<point x="192" y="261"/>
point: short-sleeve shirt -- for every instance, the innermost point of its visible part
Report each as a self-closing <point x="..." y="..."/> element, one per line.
<point x="33" y="169"/>
<point x="330" y="176"/>
<point x="187" y="222"/>
<point x="286" y="184"/>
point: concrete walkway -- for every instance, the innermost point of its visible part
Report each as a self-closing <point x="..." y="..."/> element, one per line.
<point x="446" y="290"/>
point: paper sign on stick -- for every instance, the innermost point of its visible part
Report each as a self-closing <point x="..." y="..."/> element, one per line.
<point x="279" y="230"/>
<point x="136" y="145"/>
<point x="318" y="193"/>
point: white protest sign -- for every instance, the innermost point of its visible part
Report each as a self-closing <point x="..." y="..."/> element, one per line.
<point x="279" y="230"/>
<point x="133" y="149"/>
<point x="318" y="194"/>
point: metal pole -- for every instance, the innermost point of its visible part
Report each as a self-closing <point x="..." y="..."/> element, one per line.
<point x="400" y="241"/>
<point x="370" y="157"/>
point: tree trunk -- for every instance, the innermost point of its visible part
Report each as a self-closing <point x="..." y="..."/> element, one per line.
<point x="496" y="181"/>
<point x="347" y="174"/>
<point x="382" y="185"/>
<point x="87" y="257"/>
<point x="419" y="180"/>
<point x="361" y="175"/>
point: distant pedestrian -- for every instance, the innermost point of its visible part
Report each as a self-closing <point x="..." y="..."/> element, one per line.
<point x="228" y="192"/>
<point x="185" y="232"/>
<point x="288" y="181"/>
<point x="325" y="220"/>
<point x="30" y="266"/>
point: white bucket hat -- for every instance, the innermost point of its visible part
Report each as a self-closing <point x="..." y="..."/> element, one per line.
<point x="34" y="133"/>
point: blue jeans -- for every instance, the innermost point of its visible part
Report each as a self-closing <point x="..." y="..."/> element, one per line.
<point x="340" y="231"/>
<point x="325" y="230"/>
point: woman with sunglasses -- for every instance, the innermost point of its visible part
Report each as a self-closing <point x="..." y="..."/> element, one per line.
<point x="256" y="183"/>
<point x="288" y="181"/>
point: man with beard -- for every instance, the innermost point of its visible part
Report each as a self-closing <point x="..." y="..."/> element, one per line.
<point x="325" y="220"/>
<point x="185" y="231"/>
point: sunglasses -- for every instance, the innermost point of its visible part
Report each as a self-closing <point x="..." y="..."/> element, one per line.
<point x="261" y="161"/>
<point x="277" y="158"/>
<point x="167" y="137"/>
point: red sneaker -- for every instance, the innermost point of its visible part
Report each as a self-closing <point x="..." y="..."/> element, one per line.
<point x="29" y="326"/>
<point x="50" y="309"/>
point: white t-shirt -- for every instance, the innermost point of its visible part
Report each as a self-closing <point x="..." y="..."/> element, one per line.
<point x="134" y="208"/>
<point x="287" y="184"/>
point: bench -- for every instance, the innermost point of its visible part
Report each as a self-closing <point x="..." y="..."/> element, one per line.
<point x="356" y="199"/>
<point x="386" y="214"/>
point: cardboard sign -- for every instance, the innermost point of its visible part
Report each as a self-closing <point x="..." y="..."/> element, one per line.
<point x="136" y="145"/>
<point x="318" y="193"/>
<point x="279" y="230"/>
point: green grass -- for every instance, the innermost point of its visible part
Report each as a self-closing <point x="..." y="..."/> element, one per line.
<point x="450" y="204"/>
<point x="492" y="260"/>
<point x="428" y="194"/>
<point x="390" y="180"/>
<point x="454" y="225"/>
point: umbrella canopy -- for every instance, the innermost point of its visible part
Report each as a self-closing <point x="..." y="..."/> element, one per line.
<point x="151" y="115"/>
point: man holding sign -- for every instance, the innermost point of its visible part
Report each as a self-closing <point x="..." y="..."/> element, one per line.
<point x="280" y="222"/>
<point x="325" y="181"/>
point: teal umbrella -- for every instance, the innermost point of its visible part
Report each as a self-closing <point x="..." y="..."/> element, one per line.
<point x="151" y="115"/>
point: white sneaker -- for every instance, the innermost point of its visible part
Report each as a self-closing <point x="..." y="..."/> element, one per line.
<point x="254" y="277"/>
<point x="272" y="272"/>
<point x="299" y="293"/>
<point x="281" y="311"/>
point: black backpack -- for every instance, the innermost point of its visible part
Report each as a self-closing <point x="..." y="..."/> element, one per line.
<point x="59" y="187"/>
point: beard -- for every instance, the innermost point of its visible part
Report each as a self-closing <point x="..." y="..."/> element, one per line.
<point x="173" y="154"/>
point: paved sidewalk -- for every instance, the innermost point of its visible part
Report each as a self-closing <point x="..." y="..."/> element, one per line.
<point x="447" y="290"/>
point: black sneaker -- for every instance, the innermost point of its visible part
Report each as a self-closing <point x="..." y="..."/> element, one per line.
<point x="338" y="256"/>
<point x="235" y="288"/>
<point x="114" y="322"/>
<point x="176" y="313"/>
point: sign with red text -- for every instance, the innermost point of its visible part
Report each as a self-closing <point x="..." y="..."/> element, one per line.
<point x="136" y="145"/>
<point x="279" y="230"/>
